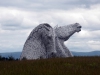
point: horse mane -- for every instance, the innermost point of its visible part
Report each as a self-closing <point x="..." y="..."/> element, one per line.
<point x="39" y="27"/>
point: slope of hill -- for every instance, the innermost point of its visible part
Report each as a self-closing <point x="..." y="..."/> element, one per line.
<point x="93" y="53"/>
<point x="17" y="54"/>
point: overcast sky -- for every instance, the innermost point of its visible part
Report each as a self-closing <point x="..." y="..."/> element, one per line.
<point x="19" y="17"/>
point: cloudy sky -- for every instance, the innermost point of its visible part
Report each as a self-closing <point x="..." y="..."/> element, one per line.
<point x="19" y="17"/>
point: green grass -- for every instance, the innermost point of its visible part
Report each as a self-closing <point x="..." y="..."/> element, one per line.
<point x="55" y="66"/>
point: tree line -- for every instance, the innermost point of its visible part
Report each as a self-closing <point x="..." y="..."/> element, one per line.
<point x="9" y="58"/>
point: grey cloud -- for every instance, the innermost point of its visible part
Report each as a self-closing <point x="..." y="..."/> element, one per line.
<point x="10" y="24"/>
<point x="15" y="27"/>
<point x="47" y="4"/>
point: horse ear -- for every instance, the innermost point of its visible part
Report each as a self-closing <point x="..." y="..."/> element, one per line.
<point x="56" y="27"/>
<point x="47" y="26"/>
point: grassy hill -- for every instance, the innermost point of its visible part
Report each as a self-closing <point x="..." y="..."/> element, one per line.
<point x="54" y="66"/>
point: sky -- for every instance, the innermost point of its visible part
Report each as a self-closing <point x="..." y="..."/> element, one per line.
<point x="19" y="17"/>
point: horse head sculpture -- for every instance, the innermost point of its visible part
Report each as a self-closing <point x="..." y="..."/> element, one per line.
<point x="63" y="33"/>
<point x="46" y="42"/>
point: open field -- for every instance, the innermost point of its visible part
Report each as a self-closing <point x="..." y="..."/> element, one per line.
<point x="55" y="66"/>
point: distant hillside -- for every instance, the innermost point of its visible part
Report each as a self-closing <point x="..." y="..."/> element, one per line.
<point x="14" y="54"/>
<point x="93" y="53"/>
<point x="17" y="54"/>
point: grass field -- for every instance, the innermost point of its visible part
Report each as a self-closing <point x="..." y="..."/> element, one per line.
<point x="55" y="66"/>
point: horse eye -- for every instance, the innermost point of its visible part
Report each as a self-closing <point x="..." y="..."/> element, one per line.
<point x="79" y="27"/>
